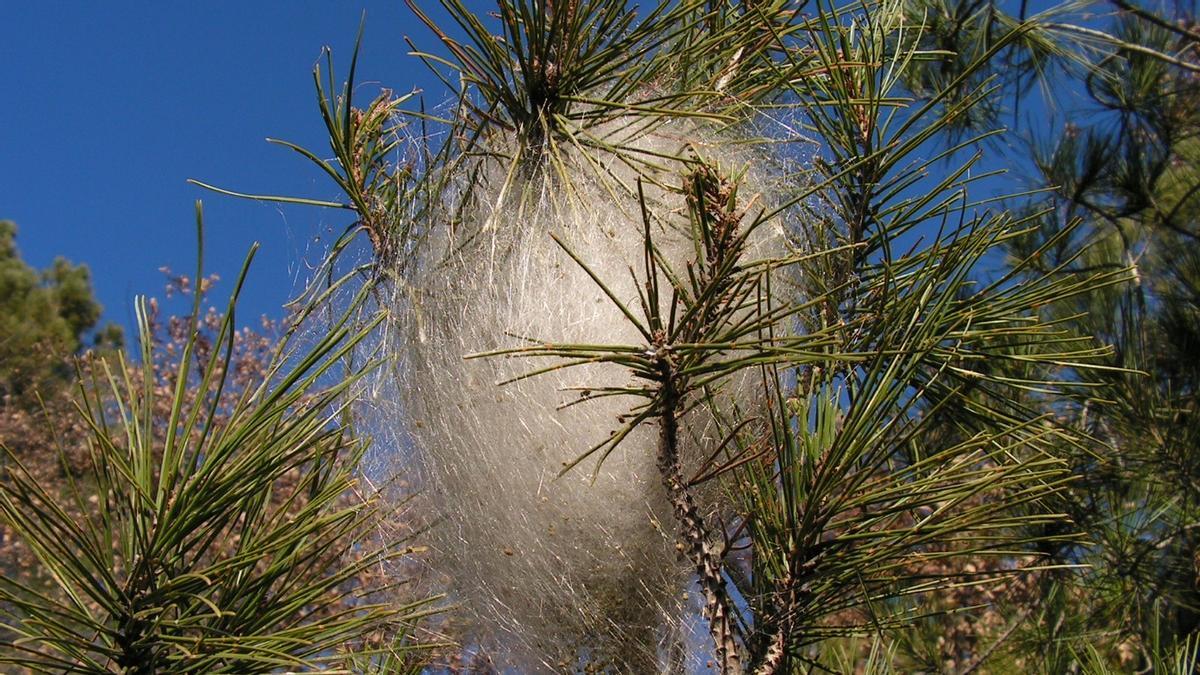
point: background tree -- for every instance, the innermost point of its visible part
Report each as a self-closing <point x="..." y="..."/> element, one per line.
<point x="44" y="319"/>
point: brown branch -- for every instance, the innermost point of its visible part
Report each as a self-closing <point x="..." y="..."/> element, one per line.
<point x="1156" y="20"/>
<point x="693" y="533"/>
<point x="777" y="646"/>
<point x="797" y="587"/>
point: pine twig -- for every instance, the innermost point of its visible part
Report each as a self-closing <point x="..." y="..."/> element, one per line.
<point x="693" y="533"/>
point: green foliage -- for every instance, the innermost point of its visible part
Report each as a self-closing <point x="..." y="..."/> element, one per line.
<point x="841" y="490"/>
<point x="1118" y="193"/>
<point x="573" y="73"/>
<point x="213" y="538"/>
<point x="44" y="319"/>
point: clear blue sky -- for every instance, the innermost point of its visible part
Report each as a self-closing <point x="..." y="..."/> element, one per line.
<point x="110" y="107"/>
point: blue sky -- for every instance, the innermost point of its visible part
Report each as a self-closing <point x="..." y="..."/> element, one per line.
<point x="110" y="107"/>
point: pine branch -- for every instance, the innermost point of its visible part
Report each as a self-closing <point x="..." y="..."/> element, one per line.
<point x="693" y="532"/>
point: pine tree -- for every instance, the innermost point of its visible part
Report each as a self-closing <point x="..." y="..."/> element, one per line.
<point x="848" y="423"/>
<point x="217" y="520"/>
